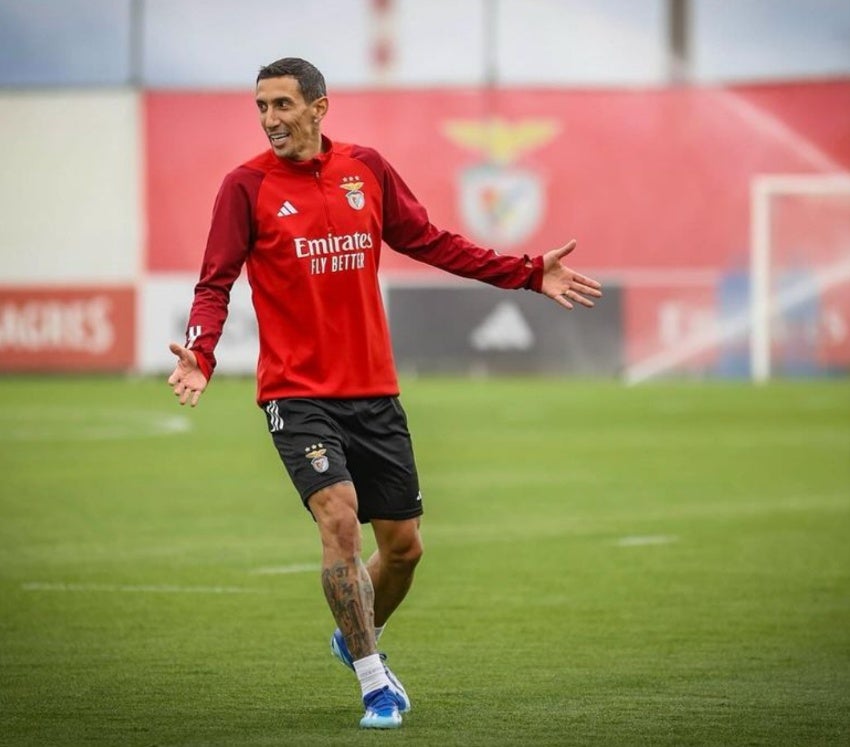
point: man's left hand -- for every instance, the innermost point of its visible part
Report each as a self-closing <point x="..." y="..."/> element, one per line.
<point x="565" y="285"/>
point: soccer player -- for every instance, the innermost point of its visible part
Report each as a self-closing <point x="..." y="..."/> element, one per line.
<point x="308" y="217"/>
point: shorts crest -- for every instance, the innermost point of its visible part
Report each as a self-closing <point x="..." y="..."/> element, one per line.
<point x="316" y="454"/>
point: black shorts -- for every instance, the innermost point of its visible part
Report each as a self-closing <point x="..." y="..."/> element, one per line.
<point x="364" y="441"/>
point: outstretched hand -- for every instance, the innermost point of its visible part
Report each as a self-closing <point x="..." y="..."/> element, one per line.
<point x="187" y="381"/>
<point x="565" y="285"/>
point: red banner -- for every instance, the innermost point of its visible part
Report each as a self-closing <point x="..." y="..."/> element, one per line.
<point x="67" y="329"/>
<point x="643" y="179"/>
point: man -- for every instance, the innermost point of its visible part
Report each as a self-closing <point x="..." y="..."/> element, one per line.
<point x="308" y="218"/>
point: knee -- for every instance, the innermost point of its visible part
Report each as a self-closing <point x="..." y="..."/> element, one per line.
<point x="405" y="554"/>
<point x="336" y="515"/>
<point x="340" y="531"/>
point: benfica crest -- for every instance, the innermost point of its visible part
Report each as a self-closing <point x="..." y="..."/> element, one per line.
<point x="500" y="202"/>
<point x="353" y="187"/>
<point x="316" y="455"/>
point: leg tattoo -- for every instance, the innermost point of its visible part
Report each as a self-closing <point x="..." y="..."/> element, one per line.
<point x="351" y="598"/>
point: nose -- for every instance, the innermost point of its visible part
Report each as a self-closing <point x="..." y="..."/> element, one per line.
<point x="270" y="119"/>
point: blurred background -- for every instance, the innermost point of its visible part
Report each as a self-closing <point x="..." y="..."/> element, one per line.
<point x="699" y="151"/>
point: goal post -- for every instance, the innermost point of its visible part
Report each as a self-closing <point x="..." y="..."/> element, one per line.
<point x="799" y="249"/>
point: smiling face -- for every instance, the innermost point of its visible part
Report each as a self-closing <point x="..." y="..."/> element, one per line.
<point x="292" y="125"/>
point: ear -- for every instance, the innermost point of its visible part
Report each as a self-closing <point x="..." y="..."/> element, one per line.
<point x="320" y="108"/>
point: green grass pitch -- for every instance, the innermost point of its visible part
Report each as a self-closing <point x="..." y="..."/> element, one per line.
<point x="660" y="565"/>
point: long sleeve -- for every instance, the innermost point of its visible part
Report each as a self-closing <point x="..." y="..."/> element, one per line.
<point x="408" y="230"/>
<point x="230" y="238"/>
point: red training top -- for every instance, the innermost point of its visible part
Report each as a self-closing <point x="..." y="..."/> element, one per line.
<point x="310" y="233"/>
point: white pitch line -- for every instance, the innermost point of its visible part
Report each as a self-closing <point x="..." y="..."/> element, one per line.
<point x="285" y="569"/>
<point x="33" y="424"/>
<point x="144" y="588"/>
<point x="649" y="539"/>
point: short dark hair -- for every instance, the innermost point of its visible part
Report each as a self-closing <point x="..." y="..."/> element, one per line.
<point x="310" y="80"/>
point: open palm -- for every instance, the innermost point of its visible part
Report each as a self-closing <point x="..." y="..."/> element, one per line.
<point x="187" y="381"/>
<point x="563" y="284"/>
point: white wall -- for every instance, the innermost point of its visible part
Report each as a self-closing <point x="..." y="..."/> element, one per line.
<point x="70" y="187"/>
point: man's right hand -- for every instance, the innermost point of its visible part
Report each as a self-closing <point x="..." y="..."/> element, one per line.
<point x="187" y="381"/>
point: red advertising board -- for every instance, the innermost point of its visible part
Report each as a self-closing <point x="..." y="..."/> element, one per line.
<point x="67" y="328"/>
<point x="648" y="179"/>
<point x="671" y="327"/>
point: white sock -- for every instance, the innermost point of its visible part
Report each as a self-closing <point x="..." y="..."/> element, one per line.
<point x="379" y="631"/>
<point x="370" y="672"/>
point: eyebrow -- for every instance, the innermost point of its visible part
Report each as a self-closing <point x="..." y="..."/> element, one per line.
<point x="276" y="100"/>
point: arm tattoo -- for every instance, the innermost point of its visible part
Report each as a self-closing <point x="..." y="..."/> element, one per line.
<point x="351" y="598"/>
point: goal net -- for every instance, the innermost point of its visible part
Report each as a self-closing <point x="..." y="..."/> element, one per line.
<point x="800" y="276"/>
<point x="785" y="314"/>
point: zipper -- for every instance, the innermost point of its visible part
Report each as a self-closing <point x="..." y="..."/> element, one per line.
<point x="318" y="176"/>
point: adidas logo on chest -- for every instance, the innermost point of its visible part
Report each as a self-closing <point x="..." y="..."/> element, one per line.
<point x="287" y="209"/>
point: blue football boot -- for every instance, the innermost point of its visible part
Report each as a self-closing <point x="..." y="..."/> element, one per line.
<point x="381" y="710"/>
<point x="340" y="650"/>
